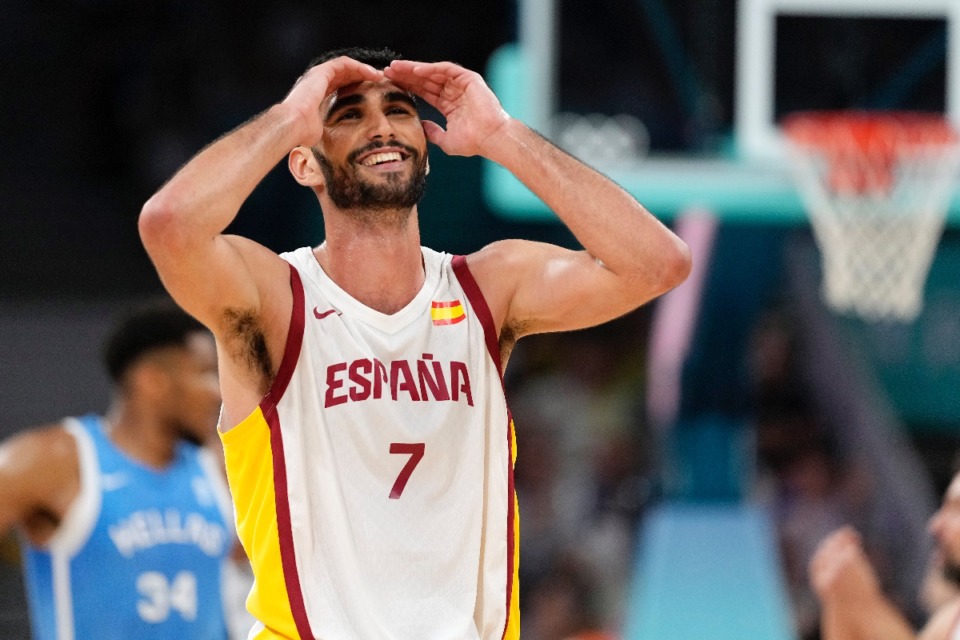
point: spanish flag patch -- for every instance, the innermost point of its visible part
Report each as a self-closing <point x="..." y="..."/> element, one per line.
<point x="446" y="312"/>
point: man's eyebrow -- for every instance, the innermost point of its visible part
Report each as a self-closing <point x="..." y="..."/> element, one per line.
<point x="343" y="103"/>
<point x="401" y="96"/>
<point x="357" y="98"/>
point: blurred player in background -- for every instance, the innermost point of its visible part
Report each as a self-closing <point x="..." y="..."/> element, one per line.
<point x="125" y="518"/>
<point x="853" y="606"/>
<point x="368" y="443"/>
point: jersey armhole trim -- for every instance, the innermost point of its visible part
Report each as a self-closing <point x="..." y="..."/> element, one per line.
<point x="81" y="517"/>
<point x="288" y="559"/>
<point x="480" y="307"/>
<point x="291" y="350"/>
<point x="268" y="407"/>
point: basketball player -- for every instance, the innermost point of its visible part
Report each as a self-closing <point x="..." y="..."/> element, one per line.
<point x="368" y="444"/>
<point x="852" y="603"/>
<point x="123" y="517"/>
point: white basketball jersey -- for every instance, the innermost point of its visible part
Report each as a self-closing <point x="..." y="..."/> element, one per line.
<point x="397" y="463"/>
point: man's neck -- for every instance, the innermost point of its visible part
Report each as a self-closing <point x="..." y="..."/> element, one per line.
<point x="380" y="265"/>
<point x="137" y="432"/>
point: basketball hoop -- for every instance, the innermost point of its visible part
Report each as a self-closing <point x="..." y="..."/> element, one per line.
<point x="877" y="186"/>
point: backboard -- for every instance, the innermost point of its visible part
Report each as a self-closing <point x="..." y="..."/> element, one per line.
<point x="679" y="101"/>
<point x="923" y="32"/>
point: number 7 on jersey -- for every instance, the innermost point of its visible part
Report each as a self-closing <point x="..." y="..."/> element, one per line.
<point x="415" y="451"/>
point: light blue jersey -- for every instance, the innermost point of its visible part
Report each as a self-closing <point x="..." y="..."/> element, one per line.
<point x="140" y="553"/>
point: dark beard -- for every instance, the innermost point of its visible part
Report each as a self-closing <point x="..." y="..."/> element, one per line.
<point x="951" y="572"/>
<point x="348" y="191"/>
<point x="186" y="434"/>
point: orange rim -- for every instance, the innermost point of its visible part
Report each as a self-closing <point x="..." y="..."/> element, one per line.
<point x="862" y="148"/>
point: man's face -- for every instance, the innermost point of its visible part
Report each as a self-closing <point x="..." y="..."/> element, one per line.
<point x="945" y="527"/>
<point x="194" y="400"/>
<point x="374" y="152"/>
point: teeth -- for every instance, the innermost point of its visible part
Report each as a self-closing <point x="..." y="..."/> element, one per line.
<point x="378" y="158"/>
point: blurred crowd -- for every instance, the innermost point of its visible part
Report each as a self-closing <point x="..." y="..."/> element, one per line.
<point x="584" y="475"/>
<point x="809" y="479"/>
<point x="589" y="467"/>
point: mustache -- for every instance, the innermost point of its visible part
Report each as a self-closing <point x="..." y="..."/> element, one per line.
<point x="379" y="144"/>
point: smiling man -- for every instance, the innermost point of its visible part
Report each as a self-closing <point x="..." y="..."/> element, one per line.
<point x="368" y="443"/>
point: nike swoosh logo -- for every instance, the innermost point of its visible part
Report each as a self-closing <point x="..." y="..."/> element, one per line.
<point x="113" y="481"/>
<point x="320" y="316"/>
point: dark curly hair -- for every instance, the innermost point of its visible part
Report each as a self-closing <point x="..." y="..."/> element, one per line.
<point x="154" y="324"/>
<point x="376" y="58"/>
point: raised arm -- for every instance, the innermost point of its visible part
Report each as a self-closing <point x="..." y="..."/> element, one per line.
<point x="852" y="605"/>
<point x="630" y="257"/>
<point x="182" y="224"/>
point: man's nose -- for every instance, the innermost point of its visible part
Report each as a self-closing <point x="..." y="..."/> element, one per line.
<point x="380" y="126"/>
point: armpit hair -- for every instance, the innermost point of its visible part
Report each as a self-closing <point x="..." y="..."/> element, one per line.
<point x="508" y="340"/>
<point x="247" y="341"/>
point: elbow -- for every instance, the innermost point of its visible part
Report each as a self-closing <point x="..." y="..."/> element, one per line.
<point x="159" y="226"/>
<point x="659" y="272"/>
<point x="676" y="264"/>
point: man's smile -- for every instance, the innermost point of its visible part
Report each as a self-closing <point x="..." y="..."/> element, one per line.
<point x="384" y="158"/>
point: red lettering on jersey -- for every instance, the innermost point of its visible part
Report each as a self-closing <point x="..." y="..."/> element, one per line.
<point x="334" y="383"/>
<point x="460" y="381"/>
<point x="360" y="371"/>
<point x="401" y="369"/>
<point x="367" y="379"/>
<point x="379" y="379"/>
<point x="434" y="381"/>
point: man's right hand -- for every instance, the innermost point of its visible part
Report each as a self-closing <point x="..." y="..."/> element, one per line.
<point x="319" y="82"/>
<point x="840" y="571"/>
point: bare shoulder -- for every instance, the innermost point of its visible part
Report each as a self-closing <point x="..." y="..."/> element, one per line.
<point x="48" y="447"/>
<point x="495" y="267"/>
<point x="942" y="623"/>
<point x="39" y="479"/>
<point x="537" y="287"/>
<point x="501" y="266"/>
<point x="497" y="256"/>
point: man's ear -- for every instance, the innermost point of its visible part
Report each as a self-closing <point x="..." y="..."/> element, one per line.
<point x="304" y="167"/>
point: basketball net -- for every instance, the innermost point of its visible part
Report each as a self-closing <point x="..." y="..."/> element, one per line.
<point x="877" y="186"/>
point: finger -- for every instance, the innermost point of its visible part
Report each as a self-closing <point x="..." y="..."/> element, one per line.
<point x="439" y="96"/>
<point x="403" y="66"/>
<point x="413" y="72"/>
<point x="434" y="132"/>
<point x="352" y="71"/>
<point x="349" y="63"/>
<point x="429" y="94"/>
<point x="416" y="67"/>
<point x="848" y="536"/>
<point x="404" y="76"/>
<point x="416" y="84"/>
<point x="843" y="543"/>
<point x="331" y="76"/>
<point x="427" y="68"/>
